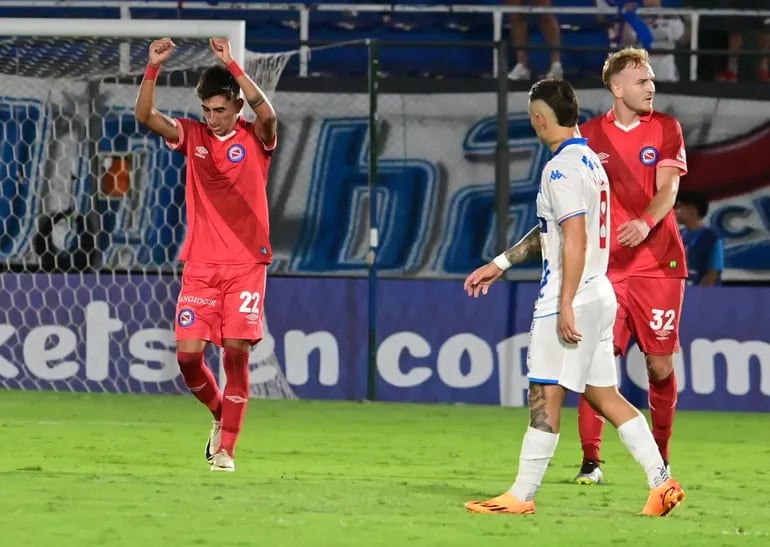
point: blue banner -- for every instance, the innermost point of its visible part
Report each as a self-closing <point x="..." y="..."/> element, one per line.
<point x="434" y="344"/>
<point x="435" y="188"/>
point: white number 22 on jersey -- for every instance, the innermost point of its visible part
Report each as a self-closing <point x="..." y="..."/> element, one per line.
<point x="250" y="302"/>
<point x="662" y="319"/>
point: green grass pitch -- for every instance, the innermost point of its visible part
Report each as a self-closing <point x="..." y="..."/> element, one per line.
<point x="116" y="470"/>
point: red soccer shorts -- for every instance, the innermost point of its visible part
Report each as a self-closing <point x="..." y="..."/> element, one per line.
<point x="219" y="301"/>
<point x="649" y="309"/>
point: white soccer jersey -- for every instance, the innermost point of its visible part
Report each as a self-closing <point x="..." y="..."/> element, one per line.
<point x="573" y="183"/>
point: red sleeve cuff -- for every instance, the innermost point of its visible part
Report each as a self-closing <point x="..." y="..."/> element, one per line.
<point x="176" y="145"/>
<point x="271" y="147"/>
<point x="674" y="163"/>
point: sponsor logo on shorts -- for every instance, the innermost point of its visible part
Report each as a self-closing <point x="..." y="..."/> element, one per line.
<point x="252" y="317"/>
<point x="603" y="157"/>
<point x="236" y="153"/>
<point x="662" y="334"/>
<point x="186" y="317"/>
<point x="197" y="300"/>
<point x="648" y="155"/>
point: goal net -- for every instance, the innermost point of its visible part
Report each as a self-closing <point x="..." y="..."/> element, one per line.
<point x="91" y="205"/>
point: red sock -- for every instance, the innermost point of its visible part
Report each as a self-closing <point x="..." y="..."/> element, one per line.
<point x="590" y="426"/>
<point x="199" y="378"/>
<point x="662" y="409"/>
<point x="236" y="397"/>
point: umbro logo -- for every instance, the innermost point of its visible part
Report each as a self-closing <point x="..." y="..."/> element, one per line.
<point x="201" y="152"/>
<point x="603" y="156"/>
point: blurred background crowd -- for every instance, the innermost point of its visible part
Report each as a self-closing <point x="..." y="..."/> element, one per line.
<point x="443" y="43"/>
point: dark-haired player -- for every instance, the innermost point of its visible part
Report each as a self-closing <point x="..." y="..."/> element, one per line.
<point x="227" y="248"/>
<point x="571" y="336"/>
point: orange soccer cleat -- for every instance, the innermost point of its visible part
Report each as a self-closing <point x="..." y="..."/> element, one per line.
<point x="504" y="503"/>
<point x="663" y="499"/>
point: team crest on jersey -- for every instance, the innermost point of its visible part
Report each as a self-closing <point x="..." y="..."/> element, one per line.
<point x="236" y="153"/>
<point x="186" y="317"/>
<point x="648" y="155"/>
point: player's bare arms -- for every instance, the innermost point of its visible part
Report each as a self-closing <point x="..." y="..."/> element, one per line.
<point x="266" y="123"/>
<point x="528" y="247"/>
<point x="634" y="232"/>
<point x="160" y="124"/>
<point x="573" y="264"/>
<point x="144" y="110"/>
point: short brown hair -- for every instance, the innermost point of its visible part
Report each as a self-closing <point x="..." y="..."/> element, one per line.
<point x="618" y="60"/>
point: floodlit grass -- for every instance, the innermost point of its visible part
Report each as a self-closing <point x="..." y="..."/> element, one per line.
<point x="118" y="470"/>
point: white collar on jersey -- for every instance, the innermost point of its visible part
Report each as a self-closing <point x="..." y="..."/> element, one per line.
<point x="223" y="138"/>
<point x="627" y="128"/>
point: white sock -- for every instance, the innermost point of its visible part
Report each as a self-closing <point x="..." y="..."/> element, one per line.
<point x="636" y="436"/>
<point x="537" y="449"/>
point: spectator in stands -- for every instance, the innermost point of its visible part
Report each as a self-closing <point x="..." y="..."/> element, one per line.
<point x="705" y="249"/>
<point x="736" y="27"/>
<point x="666" y="32"/>
<point x="550" y="28"/>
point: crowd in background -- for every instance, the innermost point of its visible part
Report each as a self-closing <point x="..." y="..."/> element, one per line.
<point x="662" y="34"/>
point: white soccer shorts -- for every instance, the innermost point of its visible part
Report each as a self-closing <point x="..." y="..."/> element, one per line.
<point x="589" y="362"/>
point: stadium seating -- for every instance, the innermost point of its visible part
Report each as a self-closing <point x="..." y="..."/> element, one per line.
<point x="451" y="34"/>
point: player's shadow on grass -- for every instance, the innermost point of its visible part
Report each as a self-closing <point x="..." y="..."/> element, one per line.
<point x="449" y="491"/>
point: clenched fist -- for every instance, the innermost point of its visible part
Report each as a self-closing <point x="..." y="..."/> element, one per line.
<point x="221" y="49"/>
<point x="160" y="50"/>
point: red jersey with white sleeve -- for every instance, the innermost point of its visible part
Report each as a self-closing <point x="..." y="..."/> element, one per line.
<point x="225" y="194"/>
<point x="631" y="157"/>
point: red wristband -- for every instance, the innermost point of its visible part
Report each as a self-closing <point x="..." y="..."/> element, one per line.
<point x="649" y="220"/>
<point x="151" y="72"/>
<point x="235" y="69"/>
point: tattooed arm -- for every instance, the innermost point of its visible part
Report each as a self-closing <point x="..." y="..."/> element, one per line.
<point x="526" y="248"/>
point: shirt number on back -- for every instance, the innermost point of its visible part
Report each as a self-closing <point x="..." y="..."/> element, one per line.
<point x="662" y="319"/>
<point x="250" y="302"/>
<point x="603" y="208"/>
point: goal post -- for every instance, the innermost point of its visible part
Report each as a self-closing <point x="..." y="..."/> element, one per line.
<point x="92" y="204"/>
<point x="143" y="29"/>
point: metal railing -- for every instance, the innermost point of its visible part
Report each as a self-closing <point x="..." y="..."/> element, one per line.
<point x="692" y="15"/>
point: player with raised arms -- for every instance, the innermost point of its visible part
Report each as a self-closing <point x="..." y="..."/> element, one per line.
<point x="571" y="345"/>
<point x="227" y="246"/>
<point x="644" y="156"/>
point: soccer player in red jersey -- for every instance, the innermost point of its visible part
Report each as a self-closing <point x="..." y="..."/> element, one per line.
<point x="643" y="153"/>
<point x="227" y="248"/>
